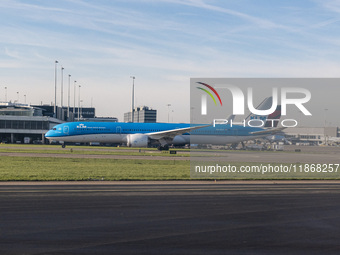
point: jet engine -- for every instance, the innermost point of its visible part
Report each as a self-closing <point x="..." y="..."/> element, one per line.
<point x="137" y="140"/>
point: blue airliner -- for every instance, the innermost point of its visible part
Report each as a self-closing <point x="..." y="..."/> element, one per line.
<point x="160" y="134"/>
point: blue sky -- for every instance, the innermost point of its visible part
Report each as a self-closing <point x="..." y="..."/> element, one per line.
<point x="162" y="43"/>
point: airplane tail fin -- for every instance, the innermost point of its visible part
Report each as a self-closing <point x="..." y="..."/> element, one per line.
<point x="265" y="105"/>
<point x="276" y="115"/>
<point x="231" y="117"/>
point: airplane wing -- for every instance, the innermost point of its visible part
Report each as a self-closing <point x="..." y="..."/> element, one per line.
<point x="172" y="133"/>
<point x="268" y="131"/>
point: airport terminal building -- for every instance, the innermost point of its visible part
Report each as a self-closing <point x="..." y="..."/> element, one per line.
<point x="23" y="123"/>
<point x="313" y="136"/>
<point x="141" y="114"/>
<point x="65" y="113"/>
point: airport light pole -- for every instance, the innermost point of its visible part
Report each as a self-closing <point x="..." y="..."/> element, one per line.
<point x="68" y="97"/>
<point x="81" y="107"/>
<point x="79" y="103"/>
<point x="74" y="100"/>
<point x="18" y="97"/>
<point x="325" y="116"/>
<point x="62" y="88"/>
<point x="192" y="114"/>
<point x="55" y="89"/>
<point x="25" y="98"/>
<point x="133" y="98"/>
<point x="5" y="94"/>
<point x="168" y="105"/>
<point x="324" y="130"/>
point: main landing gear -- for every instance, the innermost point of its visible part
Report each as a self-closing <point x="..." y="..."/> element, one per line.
<point x="163" y="148"/>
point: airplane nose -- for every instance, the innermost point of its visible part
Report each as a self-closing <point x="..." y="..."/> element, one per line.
<point x="48" y="134"/>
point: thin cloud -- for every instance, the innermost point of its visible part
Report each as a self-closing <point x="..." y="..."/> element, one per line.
<point x="260" y="22"/>
<point x="164" y="43"/>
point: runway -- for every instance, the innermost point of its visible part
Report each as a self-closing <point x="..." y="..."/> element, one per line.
<point x="259" y="217"/>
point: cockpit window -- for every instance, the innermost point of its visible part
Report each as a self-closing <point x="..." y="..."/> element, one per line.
<point x="54" y="129"/>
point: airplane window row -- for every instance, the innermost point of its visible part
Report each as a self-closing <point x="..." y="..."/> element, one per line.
<point x="207" y="132"/>
<point x="92" y="129"/>
<point x="152" y="130"/>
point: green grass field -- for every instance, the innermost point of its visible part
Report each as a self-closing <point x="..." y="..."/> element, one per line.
<point x="69" y="169"/>
<point x="93" y="152"/>
<point x="65" y="168"/>
<point x="89" y="150"/>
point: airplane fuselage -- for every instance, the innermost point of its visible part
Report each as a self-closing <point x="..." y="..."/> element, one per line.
<point x="119" y="132"/>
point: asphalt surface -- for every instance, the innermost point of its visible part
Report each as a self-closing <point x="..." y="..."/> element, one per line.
<point x="261" y="217"/>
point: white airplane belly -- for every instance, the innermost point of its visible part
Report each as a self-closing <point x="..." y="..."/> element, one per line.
<point x="101" y="138"/>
